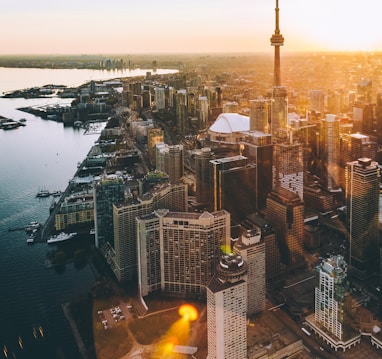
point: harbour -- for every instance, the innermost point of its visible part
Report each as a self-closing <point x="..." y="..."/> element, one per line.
<point x="43" y="153"/>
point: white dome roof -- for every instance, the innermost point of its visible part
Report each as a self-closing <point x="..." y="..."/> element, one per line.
<point x="230" y="122"/>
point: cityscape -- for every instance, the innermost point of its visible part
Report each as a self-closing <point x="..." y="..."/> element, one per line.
<point x="230" y="206"/>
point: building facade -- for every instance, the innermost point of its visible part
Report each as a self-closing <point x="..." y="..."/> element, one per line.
<point x="362" y="213"/>
<point x="172" y="197"/>
<point x="226" y="310"/>
<point x="251" y="247"/>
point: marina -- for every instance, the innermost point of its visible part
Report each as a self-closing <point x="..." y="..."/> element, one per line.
<point x="8" y="124"/>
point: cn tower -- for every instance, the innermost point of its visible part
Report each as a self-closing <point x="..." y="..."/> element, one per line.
<point x="277" y="40"/>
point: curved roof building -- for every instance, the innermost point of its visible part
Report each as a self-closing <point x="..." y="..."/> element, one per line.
<point x="228" y="127"/>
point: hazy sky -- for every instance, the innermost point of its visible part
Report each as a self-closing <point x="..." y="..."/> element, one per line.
<point x="167" y="26"/>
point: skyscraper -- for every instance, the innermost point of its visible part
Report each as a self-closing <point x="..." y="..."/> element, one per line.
<point x="178" y="251"/>
<point x="285" y="211"/>
<point x="107" y="191"/>
<point x="170" y="159"/>
<point x="362" y="211"/>
<point x="288" y="169"/>
<point x="330" y="151"/>
<point x="259" y="116"/>
<point x="233" y="183"/>
<point x="258" y="148"/>
<point x="251" y="247"/>
<point x="202" y="167"/>
<point x="172" y="197"/>
<point x="331" y="319"/>
<point x="279" y="112"/>
<point x="226" y="310"/>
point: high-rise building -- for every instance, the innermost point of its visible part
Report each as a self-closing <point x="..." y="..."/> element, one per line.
<point x="178" y="251"/>
<point x="154" y="135"/>
<point x="363" y="117"/>
<point x="148" y="253"/>
<point x="330" y="295"/>
<point x="285" y="211"/>
<point x="279" y="112"/>
<point x="259" y="115"/>
<point x="316" y="101"/>
<point x="192" y="245"/>
<point x="170" y="159"/>
<point x="331" y="319"/>
<point x="357" y="145"/>
<point x="233" y="185"/>
<point x="251" y="247"/>
<point x="330" y="152"/>
<point x="258" y="148"/>
<point x="160" y="98"/>
<point x="172" y="197"/>
<point x="181" y="110"/>
<point x="362" y="211"/>
<point x="273" y="268"/>
<point x="109" y="190"/>
<point x="203" y="113"/>
<point x="226" y="310"/>
<point x="288" y="171"/>
<point x="202" y="174"/>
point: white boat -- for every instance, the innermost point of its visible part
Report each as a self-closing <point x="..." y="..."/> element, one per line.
<point x="61" y="237"/>
<point x="43" y="193"/>
<point x="56" y="193"/>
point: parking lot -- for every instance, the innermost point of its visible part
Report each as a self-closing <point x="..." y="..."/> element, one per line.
<point x="112" y="316"/>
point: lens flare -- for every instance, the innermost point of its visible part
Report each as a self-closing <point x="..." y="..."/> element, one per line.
<point x="188" y="312"/>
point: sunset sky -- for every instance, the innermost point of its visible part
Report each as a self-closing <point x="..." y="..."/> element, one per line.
<point x="168" y="26"/>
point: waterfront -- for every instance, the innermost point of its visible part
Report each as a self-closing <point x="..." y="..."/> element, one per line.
<point x="41" y="154"/>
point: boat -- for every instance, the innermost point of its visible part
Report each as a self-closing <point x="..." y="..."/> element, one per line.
<point x="32" y="226"/>
<point x="43" y="193"/>
<point x="92" y="232"/>
<point x="61" y="237"/>
<point x="56" y="193"/>
<point x="31" y="236"/>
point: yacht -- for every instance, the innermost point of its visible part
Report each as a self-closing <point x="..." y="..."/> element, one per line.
<point x="61" y="237"/>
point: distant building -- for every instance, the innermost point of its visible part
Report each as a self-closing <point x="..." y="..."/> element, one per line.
<point x="317" y="101"/>
<point x="170" y="159"/>
<point x="181" y="110"/>
<point x="155" y="135"/>
<point x="160" y="98"/>
<point x="279" y="112"/>
<point x="259" y="118"/>
<point x="330" y="152"/>
<point x="226" y="310"/>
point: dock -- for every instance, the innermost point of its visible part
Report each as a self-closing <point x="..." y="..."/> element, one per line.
<point x="49" y="226"/>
